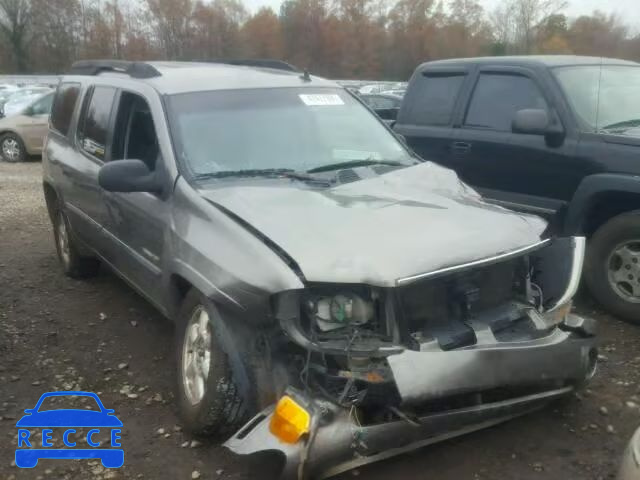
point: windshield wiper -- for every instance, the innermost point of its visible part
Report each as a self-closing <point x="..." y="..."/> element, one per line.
<point x="356" y="163"/>
<point x="635" y="122"/>
<point x="267" y="173"/>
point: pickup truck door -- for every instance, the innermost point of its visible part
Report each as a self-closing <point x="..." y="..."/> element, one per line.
<point x="523" y="172"/>
<point x="427" y="112"/>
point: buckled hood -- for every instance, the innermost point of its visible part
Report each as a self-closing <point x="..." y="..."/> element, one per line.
<point x="381" y="229"/>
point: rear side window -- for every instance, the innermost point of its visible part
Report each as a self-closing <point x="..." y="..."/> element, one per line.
<point x="432" y="99"/>
<point x="497" y="98"/>
<point x="64" y="106"/>
<point x="94" y="124"/>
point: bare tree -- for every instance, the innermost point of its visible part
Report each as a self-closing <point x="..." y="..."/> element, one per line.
<point x="15" y="26"/>
<point x="529" y="16"/>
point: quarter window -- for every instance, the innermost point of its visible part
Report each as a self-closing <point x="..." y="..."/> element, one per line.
<point x="64" y="106"/>
<point x="432" y="99"/>
<point x="498" y="97"/>
<point x="93" y="127"/>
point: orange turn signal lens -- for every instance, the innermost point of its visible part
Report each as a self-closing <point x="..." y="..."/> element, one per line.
<point x="289" y="421"/>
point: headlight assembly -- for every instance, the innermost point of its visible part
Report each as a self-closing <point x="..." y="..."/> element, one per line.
<point x="340" y="310"/>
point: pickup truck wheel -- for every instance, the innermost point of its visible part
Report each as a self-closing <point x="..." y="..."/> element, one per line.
<point x="209" y="400"/>
<point x="612" y="268"/>
<point x="12" y="149"/>
<point x="73" y="264"/>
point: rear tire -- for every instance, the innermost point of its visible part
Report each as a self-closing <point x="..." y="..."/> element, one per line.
<point x="612" y="268"/>
<point x="73" y="264"/>
<point x="12" y="148"/>
<point x="209" y="400"/>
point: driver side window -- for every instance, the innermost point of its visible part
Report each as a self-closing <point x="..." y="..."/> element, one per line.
<point x="135" y="134"/>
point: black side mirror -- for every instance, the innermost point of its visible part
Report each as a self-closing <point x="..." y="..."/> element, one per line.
<point x="128" y="176"/>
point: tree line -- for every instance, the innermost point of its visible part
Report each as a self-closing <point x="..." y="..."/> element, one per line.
<point x="372" y="39"/>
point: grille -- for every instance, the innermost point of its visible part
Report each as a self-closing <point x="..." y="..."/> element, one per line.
<point x="439" y="307"/>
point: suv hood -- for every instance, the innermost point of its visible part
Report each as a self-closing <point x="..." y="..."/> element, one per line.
<point x="378" y="230"/>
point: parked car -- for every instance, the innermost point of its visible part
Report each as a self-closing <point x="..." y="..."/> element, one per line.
<point x="16" y="100"/>
<point x="324" y="281"/>
<point x="23" y="134"/>
<point x="554" y="135"/>
<point x="386" y="106"/>
<point x="630" y="468"/>
<point x="396" y="92"/>
<point x="371" y="89"/>
<point x="21" y="99"/>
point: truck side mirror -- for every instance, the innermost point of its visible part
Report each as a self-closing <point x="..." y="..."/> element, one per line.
<point x="531" y="121"/>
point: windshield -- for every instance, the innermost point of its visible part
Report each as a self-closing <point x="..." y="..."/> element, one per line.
<point x="605" y="98"/>
<point x="300" y="129"/>
<point x="83" y="402"/>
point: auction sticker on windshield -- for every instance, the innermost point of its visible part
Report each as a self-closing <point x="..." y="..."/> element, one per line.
<point x="54" y="430"/>
<point x="321" y="100"/>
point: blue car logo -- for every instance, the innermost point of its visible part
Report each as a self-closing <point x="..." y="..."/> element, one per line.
<point x="29" y="452"/>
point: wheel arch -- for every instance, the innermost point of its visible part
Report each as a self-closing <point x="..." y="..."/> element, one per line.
<point x="598" y="199"/>
<point x="51" y="198"/>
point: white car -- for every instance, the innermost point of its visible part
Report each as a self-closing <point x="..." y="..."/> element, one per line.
<point x="630" y="469"/>
<point x="22" y="99"/>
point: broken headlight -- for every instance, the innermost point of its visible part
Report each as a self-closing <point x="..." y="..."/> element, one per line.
<point x="340" y="310"/>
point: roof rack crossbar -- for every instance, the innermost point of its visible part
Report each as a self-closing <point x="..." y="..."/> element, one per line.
<point x="133" y="69"/>
<point x="260" y="63"/>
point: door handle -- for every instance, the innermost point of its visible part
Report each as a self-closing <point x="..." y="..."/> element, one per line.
<point x="461" y="148"/>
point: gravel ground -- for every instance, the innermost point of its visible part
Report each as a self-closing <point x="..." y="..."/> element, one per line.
<point x="57" y="333"/>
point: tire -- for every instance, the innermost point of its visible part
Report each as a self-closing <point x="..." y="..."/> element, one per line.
<point x="73" y="264"/>
<point x="604" y="266"/>
<point x="12" y="148"/>
<point x="218" y="409"/>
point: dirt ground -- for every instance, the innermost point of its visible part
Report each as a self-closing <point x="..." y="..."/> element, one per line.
<point x="97" y="335"/>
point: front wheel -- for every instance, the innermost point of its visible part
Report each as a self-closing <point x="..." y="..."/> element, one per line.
<point x="12" y="148"/>
<point x="612" y="267"/>
<point x="209" y="400"/>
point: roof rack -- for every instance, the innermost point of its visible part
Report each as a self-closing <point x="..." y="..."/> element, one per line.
<point x="95" y="67"/>
<point x="261" y="63"/>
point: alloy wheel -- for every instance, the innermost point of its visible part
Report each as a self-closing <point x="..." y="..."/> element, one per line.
<point x="196" y="355"/>
<point x="624" y="271"/>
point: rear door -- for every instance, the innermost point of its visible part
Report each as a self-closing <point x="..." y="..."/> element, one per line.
<point x="83" y="198"/>
<point x="520" y="171"/>
<point x="427" y="112"/>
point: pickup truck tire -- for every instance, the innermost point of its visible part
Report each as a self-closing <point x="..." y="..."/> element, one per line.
<point x="208" y="399"/>
<point x="73" y="264"/>
<point x="612" y="267"/>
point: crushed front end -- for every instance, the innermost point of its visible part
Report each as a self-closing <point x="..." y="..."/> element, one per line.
<point x="368" y="372"/>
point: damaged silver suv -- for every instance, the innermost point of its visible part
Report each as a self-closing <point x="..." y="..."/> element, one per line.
<point x="337" y="299"/>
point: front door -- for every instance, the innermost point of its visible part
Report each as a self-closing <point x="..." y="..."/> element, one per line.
<point x="518" y="170"/>
<point x="138" y="219"/>
<point x="35" y="124"/>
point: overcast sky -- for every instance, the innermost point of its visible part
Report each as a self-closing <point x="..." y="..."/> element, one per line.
<point x="627" y="10"/>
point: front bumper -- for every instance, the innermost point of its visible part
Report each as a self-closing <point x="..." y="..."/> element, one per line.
<point x="546" y="368"/>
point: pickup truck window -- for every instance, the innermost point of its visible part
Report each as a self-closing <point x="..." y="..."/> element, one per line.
<point x="432" y="99"/>
<point x="603" y="98"/>
<point x="497" y="98"/>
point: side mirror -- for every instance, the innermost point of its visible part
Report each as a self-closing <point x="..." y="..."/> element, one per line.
<point x="531" y="121"/>
<point x="128" y="176"/>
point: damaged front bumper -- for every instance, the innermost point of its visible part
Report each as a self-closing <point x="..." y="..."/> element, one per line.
<point x="443" y="394"/>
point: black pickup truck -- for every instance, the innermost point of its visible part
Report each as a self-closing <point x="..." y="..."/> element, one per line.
<point x="554" y="135"/>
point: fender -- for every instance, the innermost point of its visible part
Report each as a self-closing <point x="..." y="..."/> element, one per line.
<point x="202" y="284"/>
<point x="590" y="190"/>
